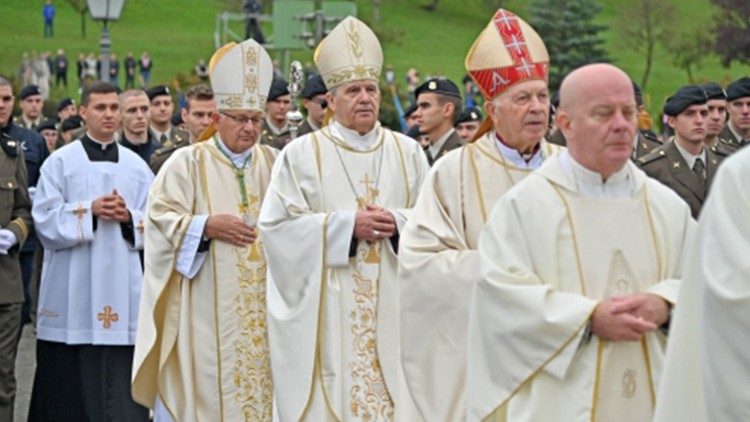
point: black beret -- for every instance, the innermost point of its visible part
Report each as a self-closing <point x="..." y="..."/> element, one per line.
<point x="684" y="97"/>
<point x="279" y="88"/>
<point x="410" y="110"/>
<point x="28" y="91"/>
<point x="413" y="132"/>
<point x="438" y="86"/>
<point x="65" y="102"/>
<point x="738" y="89"/>
<point x="314" y="86"/>
<point x="72" y="122"/>
<point x="177" y="119"/>
<point x="638" y="94"/>
<point x="46" y="124"/>
<point x="156" y="91"/>
<point x="714" y="91"/>
<point x="469" y="114"/>
<point x="555" y="100"/>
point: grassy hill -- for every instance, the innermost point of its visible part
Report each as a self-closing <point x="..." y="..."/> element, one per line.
<point x="178" y="32"/>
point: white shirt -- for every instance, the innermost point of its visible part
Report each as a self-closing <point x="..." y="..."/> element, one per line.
<point x="434" y="147"/>
<point x="590" y="183"/>
<point x="522" y="161"/>
<point x="690" y="158"/>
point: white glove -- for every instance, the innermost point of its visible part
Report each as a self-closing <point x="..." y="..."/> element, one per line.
<point x="32" y="193"/>
<point x="7" y="240"/>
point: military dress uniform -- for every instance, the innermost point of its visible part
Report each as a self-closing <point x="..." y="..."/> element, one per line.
<point x="271" y="138"/>
<point x="453" y="142"/>
<point x="160" y="156"/>
<point x="729" y="141"/>
<point x="668" y="166"/>
<point x="646" y="143"/>
<point x="15" y="216"/>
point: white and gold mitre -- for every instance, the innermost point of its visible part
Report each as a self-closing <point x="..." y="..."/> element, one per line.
<point x="506" y="52"/>
<point x="241" y="76"/>
<point x="349" y="53"/>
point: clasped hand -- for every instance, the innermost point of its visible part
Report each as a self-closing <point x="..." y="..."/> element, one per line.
<point x="231" y="229"/>
<point x="374" y="223"/>
<point x="628" y="318"/>
<point x="111" y="207"/>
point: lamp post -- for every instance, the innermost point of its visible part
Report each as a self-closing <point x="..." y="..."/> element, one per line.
<point x="105" y="10"/>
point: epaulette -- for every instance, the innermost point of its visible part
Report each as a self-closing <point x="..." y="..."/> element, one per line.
<point x="9" y="145"/>
<point x="719" y="151"/>
<point x="732" y="143"/>
<point x="656" y="154"/>
<point x="166" y="149"/>
<point x="650" y="136"/>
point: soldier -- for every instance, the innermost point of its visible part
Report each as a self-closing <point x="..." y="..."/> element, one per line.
<point x="48" y="130"/>
<point x="737" y="129"/>
<point x="66" y="108"/>
<point x="468" y="123"/>
<point x="438" y="105"/>
<point x="31" y="104"/>
<point x="314" y="100"/>
<point x="197" y="118"/>
<point x="275" y="128"/>
<point x="411" y="119"/>
<point x="15" y="223"/>
<point x="717" y="118"/>
<point x="134" y="117"/>
<point x="684" y="164"/>
<point x="160" y="118"/>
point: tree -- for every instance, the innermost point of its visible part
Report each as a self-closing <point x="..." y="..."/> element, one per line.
<point x="643" y="24"/>
<point x="688" y="51"/>
<point x="81" y="7"/>
<point x="570" y="34"/>
<point x="732" y="30"/>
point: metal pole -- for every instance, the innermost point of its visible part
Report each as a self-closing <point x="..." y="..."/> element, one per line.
<point x="106" y="44"/>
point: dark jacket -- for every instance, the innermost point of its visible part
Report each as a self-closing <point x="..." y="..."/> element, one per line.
<point x="454" y="141"/>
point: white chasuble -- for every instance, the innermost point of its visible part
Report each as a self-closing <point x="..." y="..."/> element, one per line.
<point x="438" y="267"/>
<point x="333" y="318"/>
<point x="548" y="255"/>
<point x="202" y="342"/>
<point x="91" y="281"/>
<point x="707" y="367"/>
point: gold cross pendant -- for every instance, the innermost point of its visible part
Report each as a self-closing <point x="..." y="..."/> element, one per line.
<point x="107" y="317"/>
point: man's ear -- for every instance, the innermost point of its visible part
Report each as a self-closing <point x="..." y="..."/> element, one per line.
<point x="563" y="122"/>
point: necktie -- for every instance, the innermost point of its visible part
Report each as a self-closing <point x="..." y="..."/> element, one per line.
<point x="699" y="168"/>
<point x="163" y="138"/>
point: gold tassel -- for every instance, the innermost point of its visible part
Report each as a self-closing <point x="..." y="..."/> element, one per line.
<point x="372" y="256"/>
<point x="254" y="255"/>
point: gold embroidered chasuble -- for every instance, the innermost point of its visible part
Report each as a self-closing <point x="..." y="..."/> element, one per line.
<point x="202" y="342"/>
<point x="548" y="255"/>
<point x="333" y="318"/>
<point x="438" y="266"/>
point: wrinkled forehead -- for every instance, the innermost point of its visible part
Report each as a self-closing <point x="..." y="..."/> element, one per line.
<point x="534" y="86"/>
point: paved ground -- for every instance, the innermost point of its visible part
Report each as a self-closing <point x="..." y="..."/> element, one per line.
<point x="25" y="365"/>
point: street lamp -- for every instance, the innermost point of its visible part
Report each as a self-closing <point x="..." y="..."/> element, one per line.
<point x="105" y="10"/>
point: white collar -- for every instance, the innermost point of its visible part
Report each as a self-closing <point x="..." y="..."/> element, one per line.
<point x="275" y="129"/>
<point x="734" y="131"/>
<point x="522" y="161"/>
<point x="590" y="183"/>
<point x="688" y="157"/>
<point x="103" y="144"/>
<point x="239" y="159"/>
<point x="437" y="145"/>
<point x="158" y="134"/>
<point x="353" y="138"/>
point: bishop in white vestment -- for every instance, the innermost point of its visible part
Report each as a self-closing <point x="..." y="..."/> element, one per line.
<point x="579" y="263"/>
<point x="202" y="352"/>
<point x="338" y="199"/>
<point x="707" y="367"/>
<point x="438" y="261"/>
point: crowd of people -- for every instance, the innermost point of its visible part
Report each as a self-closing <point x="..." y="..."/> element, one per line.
<point x="538" y="259"/>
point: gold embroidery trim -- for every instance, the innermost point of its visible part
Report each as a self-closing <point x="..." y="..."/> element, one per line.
<point x="569" y="219"/>
<point x="326" y="131"/>
<point x="403" y="171"/>
<point x="477" y="182"/>
<point x="597" y="377"/>
<point x="22" y="225"/>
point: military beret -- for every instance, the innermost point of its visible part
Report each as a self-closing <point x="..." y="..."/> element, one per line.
<point x="28" y="91"/>
<point x="555" y="100"/>
<point x="177" y="119"/>
<point x="738" y="89"/>
<point x="410" y="110"/>
<point x="638" y="94"/>
<point x="279" y="88"/>
<point x="684" y="97"/>
<point x="314" y="86"/>
<point x="469" y="114"/>
<point x="438" y="86"/>
<point x="413" y="132"/>
<point x="156" y="91"/>
<point x="72" y="122"/>
<point x="714" y="91"/>
<point x="46" y="124"/>
<point x="65" y="102"/>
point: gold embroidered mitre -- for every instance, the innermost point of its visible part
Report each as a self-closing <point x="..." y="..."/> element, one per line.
<point x="241" y="76"/>
<point x="349" y="53"/>
<point x="506" y="52"/>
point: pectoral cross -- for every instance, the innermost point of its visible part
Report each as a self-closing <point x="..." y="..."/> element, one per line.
<point x="107" y="317"/>
<point x="80" y="211"/>
<point x="371" y="193"/>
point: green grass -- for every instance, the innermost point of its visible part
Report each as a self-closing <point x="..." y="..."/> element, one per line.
<point x="178" y="32"/>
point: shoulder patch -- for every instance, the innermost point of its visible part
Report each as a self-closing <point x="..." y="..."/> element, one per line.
<point x="651" y="137"/>
<point x="165" y="150"/>
<point x="9" y="145"/>
<point x="652" y="156"/>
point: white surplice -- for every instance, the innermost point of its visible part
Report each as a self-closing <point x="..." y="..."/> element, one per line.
<point x="202" y="345"/>
<point x="553" y="247"/>
<point x="91" y="279"/>
<point x="438" y="267"/>
<point x="707" y="365"/>
<point x="333" y="319"/>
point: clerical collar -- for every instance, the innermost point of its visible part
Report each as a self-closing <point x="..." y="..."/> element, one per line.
<point x="590" y="184"/>
<point x="435" y="147"/>
<point x="523" y="161"/>
<point x="275" y="129"/>
<point x="353" y="138"/>
<point x="239" y="159"/>
<point x="688" y="157"/>
<point x="735" y="132"/>
<point x="99" y="151"/>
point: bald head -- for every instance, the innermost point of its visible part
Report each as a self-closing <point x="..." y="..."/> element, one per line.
<point x="598" y="117"/>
